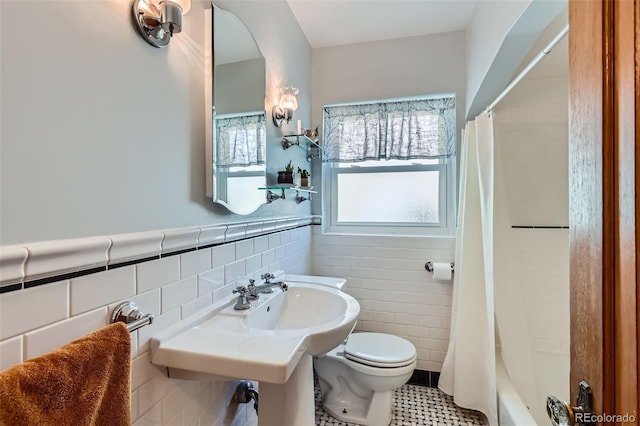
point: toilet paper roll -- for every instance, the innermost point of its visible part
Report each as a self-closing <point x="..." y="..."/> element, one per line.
<point x="442" y="271"/>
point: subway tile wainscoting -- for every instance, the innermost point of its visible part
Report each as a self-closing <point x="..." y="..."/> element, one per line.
<point x="186" y="273"/>
<point x="174" y="273"/>
<point x="396" y="294"/>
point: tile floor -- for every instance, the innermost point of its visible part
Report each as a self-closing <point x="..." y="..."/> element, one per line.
<point x="415" y="405"/>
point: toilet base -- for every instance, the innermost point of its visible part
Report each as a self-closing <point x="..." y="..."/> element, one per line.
<point x="378" y="410"/>
<point x="346" y="401"/>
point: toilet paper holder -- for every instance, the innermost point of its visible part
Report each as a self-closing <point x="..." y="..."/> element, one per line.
<point x="429" y="266"/>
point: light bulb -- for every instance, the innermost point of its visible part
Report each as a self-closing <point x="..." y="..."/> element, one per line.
<point x="185" y="5"/>
<point x="289" y="102"/>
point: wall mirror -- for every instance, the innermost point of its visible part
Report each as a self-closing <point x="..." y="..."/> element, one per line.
<point x="238" y="115"/>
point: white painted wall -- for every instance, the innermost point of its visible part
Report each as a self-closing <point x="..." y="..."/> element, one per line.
<point x="490" y="22"/>
<point x="499" y="36"/>
<point x="102" y="133"/>
<point x="394" y="68"/>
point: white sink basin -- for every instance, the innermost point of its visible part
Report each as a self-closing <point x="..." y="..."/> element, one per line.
<point x="325" y="315"/>
<point x="262" y="343"/>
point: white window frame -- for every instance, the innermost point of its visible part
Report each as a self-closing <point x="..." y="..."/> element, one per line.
<point x="446" y="203"/>
<point x="239" y="172"/>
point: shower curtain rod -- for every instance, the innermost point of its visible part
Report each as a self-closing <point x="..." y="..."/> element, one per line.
<point x="544" y="52"/>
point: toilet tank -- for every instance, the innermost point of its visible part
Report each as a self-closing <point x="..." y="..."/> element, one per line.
<point x="334" y="282"/>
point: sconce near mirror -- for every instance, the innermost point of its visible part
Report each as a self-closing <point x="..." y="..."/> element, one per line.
<point x="288" y="103"/>
<point x="158" y="20"/>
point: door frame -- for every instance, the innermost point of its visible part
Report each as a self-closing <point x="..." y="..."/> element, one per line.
<point x="603" y="199"/>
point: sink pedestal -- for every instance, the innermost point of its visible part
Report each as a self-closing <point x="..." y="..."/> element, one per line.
<point x="291" y="403"/>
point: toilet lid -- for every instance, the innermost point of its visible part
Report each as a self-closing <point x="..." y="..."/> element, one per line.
<point x="379" y="350"/>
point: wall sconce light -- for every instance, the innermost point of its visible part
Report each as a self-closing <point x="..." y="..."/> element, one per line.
<point x="158" y="20"/>
<point x="288" y="103"/>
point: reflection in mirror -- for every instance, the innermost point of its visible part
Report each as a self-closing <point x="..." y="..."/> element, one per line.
<point x="239" y="126"/>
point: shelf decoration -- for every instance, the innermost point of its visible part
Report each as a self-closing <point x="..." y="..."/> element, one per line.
<point x="304" y="177"/>
<point x="286" y="175"/>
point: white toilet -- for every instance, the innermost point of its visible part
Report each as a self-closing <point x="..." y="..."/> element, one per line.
<point x="357" y="378"/>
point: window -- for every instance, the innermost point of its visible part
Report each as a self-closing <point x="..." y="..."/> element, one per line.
<point x="239" y="166"/>
<point x="240" y="139"/>
<point x="389" y="167"/>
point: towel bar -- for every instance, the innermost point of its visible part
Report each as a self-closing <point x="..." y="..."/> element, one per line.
<point x="128" y="313"/>
<point x="429" y="266"/>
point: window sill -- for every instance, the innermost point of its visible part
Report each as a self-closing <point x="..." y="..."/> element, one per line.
<point x="438" y="233"/>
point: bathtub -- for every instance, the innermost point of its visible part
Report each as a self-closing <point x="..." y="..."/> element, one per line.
<point x="512" y="411"/>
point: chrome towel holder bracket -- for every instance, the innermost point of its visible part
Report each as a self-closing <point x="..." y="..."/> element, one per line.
<point x="129" y="313"/>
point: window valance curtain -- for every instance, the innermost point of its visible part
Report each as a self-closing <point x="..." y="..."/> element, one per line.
<point x="421" y="128"/>
<point x="240" y="140"/>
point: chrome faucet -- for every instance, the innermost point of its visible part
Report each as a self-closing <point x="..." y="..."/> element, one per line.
<point x="252" y="291"/>
<point x="267" y="287"/>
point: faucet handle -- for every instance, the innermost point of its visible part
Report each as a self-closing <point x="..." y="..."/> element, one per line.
<point x="267" y="276"/>
<point x="243" y="302"/>
<point x="252" y="290"/>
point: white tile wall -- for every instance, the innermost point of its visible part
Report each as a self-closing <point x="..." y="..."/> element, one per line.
<point x="50" y="302"/>
<point x="91" y="291"/>
<point x="10" y="352"/>
<point x="396" y="294"/>
<point x="244" y="249"/>
<point x="194" y="262"/>
<point x="542" y="256"/>
<point x="179" y="239"/>
<point x="531" y="128"/>
<point x="171" y="288"/>
<point x="221" y="255"/>
<point x="135" y="245"/>
<point x="212" y="235"/>
<point x="156" y="273"/>
<point x="12" y="260"/>
<point x="177" y="294"/>
<point x="47" y="338"/>
<point x="50" y="258"/>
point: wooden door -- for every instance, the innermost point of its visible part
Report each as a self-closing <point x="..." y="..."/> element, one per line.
<point x="603" y="181"/>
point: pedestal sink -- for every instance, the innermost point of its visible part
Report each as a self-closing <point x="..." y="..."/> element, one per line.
<point x="272" y="342"/>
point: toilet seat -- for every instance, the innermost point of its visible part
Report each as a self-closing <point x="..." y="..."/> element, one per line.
<point x="379" y="350"/>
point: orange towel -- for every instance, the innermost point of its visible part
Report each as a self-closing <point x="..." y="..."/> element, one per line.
<point x="86" y="382"/>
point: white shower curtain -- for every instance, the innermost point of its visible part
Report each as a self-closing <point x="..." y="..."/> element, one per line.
<point x="469" y="369"/>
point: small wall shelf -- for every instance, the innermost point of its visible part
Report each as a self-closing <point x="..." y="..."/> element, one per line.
<point x="310" y="146"/>
<point x="272" y="192"/>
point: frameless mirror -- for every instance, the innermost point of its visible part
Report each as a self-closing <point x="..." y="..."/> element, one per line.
<point x="239" y="126"/>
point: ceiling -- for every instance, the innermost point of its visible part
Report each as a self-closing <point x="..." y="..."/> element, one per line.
<point x="337" y="22"/>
